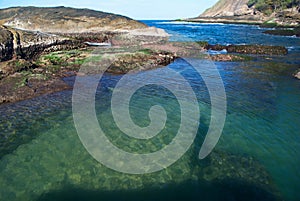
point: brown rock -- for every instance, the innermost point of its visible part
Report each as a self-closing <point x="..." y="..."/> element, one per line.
<point x="65" y="20"/>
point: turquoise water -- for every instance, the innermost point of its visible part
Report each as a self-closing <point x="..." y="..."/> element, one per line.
<point x="257" y="157"/>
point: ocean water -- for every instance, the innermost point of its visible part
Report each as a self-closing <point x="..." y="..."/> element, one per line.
<point x="257" y="157"/>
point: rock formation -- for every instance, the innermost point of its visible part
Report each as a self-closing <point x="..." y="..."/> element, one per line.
<point x="29" y="31"/>
<point x="227" y="8"/>
<point x="251" y="11"/>
<point x="65" y="20"/>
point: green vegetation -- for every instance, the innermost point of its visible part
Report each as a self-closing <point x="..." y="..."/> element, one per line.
<point x="269" y="24"/>
<point x="56" y="60"/>
<point x="62" y="57"/>
<point x="269" y="6"/>
<point x="27" y="75"/>
<point x="146" y="51"/>
<point x="203" y="44"/>
<point x="240" y="57"/>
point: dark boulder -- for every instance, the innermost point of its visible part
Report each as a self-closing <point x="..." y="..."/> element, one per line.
<point x="6" y="44"/>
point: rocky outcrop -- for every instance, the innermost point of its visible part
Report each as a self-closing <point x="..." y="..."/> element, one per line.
<point x="251" y="12"/>
<point x="229" y="58"/>
<point x="6" y="44"/>
<point x="284" y="32"/>
<point x="28" y="45"/>
<point x="29" y="31"/>
<point x="228" y="8"/>
<point x="250" y="49"/>
<point x="65" y="20"/>
<point x="143" y="60"/>
<point x="228" y="11"/>
<point x="26" y="33"/>
<point x="28" y="88"/>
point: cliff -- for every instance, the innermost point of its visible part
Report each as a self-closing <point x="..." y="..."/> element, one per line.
<point x="284" y="13"/>
<point x="228" y="8"/>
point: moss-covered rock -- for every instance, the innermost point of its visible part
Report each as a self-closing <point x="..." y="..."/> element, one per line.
<point x="141" y="61"/>
<point x="230" y="57"/>
<point x="10" y="67"/>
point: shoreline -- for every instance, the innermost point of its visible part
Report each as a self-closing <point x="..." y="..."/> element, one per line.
<point x="221" y="20"/>
<point x="230" y="20"/>
<point x="45" y="74"/>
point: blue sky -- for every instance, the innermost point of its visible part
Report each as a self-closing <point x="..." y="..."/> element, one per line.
<point x="137" y="9"/>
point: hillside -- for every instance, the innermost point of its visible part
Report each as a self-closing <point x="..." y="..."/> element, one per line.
<point x="228" y="8"/>
<point x="282" y="12"/>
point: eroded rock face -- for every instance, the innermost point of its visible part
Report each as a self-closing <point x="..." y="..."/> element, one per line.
<point x="6" y="44"/>
<point x="228" y="8"/>
<point x="28" y="44"/>
<point x="240" y="11"/>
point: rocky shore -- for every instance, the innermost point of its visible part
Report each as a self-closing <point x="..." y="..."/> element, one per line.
<point x="251" y="12"/>
<point x="39" y="46"/>
<point x="34" y="57"/>
<point x="250" y="49"/>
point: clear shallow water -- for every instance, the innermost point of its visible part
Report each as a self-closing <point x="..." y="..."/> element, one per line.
<point x="43" y="159"/>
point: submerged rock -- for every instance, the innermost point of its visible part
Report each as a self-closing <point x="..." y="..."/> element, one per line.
<point x="224" y="167"/>
<point x="250" y="49"/>
<point x="284" y="32"/>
